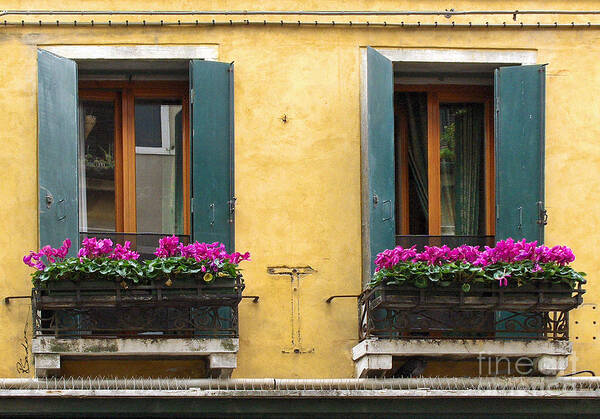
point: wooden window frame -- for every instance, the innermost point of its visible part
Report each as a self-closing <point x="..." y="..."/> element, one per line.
<point x="437" y="94"/>
<point x="124" y="94"/>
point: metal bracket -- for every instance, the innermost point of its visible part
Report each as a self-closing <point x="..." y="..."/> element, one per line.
<point x="15" y="297"/>
<point x="49" y="200"/>
<point x="542" y="214"/>
<point x="61" y="201"/>
<point x="253" y="297"/>
<point x="375" y="200"/>
<point x="391" y="210"/>
<point x="328" y="301"/>
<point x="231" y="203"/>
<point x="212" y="208"/>
<point x="294" y="273"/>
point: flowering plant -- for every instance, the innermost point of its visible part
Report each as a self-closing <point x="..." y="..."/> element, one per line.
<point x="99" y="259"/>
<point x="510" y="263"/>
<point x="210" y="260"/>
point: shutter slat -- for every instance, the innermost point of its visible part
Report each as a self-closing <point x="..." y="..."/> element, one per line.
<point x="57" y="150"/>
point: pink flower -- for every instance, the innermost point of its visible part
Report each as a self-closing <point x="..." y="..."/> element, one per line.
<point x="124" y="252"/>
<point x="92" y="247"/>
<point x="505" y="251"/>
<point x="503" y="281"/>
<point x="63" y="250"/>
<point x="389" y="258"/>
<point x="167" y="247"/>
<point x="35" y="260"/>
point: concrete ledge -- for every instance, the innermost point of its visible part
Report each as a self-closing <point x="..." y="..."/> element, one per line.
<point x="550" y="357"/>
<point x="221" y="352"/>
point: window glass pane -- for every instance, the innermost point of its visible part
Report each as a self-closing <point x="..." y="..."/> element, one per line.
<point x="159" y="166"/>
<point x="462" y="169"/>
<point x="148" y="131"/>
<point x="97" y="166"/>
<point x="411" y="161"/>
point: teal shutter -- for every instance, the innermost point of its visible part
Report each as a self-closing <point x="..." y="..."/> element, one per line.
<point x="378" y="156"/>
<point x="212" y="152"/>
<point x="519" y="97"/>
<point x="57" y="150"/>
<point x="520" y="102"/>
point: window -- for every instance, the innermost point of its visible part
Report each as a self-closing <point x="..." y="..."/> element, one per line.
<point x="444" y="157"/>
<point x="396" y="201"/>
<point x="130" y="158"/>
<point x="138" y="129"/>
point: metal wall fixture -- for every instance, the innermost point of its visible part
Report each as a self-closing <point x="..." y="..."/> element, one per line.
<point x="447" y="14"/>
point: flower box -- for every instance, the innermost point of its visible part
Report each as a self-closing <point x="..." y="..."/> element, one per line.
<point x="539" y="297"/>
<point x="515" y="290"/>
<point x="107" y="293"/>
<point x="185" y="291"/>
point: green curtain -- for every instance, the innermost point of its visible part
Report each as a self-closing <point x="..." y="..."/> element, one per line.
<point x="179" y="228"/>
<point x="468" y="170"/>
<point x="416" y="104"/>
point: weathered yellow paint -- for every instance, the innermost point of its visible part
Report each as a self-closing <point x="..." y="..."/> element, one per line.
<point x="298" y="183"/>
<point x="134" y="368"/>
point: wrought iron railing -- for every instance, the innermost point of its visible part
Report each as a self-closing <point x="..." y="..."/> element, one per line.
<point x="187" y="308"/>
<point x="143" y="243"/>
<point x="451" y="241"/>
<point x="527" y="313"/>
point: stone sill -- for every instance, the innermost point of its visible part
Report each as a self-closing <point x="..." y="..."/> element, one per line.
<point x="373" y="357"/>
<point x="221" y="352"/>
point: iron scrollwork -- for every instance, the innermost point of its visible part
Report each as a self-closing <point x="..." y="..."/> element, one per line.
<point x="184" y="310"/>
<point x="529" y="314"/>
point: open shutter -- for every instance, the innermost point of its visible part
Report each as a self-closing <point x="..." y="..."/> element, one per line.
<point x="519" y="96"/>
<point x="212" y="152"/>
<point x="520" y="213"/>
<point x="57" y="150"/>
<point x="378" y="157"/>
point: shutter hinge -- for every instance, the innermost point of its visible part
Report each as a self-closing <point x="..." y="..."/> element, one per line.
<point x="497" y="104"/>
<point x="231" y="203"/>
<point x="192" y="205"/>
<point x="542" y="214"/>
<point x="192" y="96"/>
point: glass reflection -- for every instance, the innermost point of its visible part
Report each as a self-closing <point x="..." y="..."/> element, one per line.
<point x="159" y="166"/>
<point x="97" y="166"/>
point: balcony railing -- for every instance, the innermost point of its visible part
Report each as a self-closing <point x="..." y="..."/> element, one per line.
<point x="143" y="243"/>
<point x="421" y="241"/>
<point x="528" y="313"/>
<point x="92" y="309"/>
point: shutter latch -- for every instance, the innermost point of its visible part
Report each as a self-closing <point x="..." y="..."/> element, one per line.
<point x="49" y="200"/>
<point x="542" y="214"/>
<point x="231" y="203"/>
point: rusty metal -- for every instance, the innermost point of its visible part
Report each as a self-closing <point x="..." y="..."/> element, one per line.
<point x="420" y="241"/>
<point x="526" y="313"/>
<point x="15" y="297"/>
<point x="446" y="13"/>
<point x="186" y="308"/>
<point x="333" y="297"/>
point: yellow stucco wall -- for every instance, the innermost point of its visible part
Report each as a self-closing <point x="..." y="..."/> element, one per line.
<point x="298" y="183"/>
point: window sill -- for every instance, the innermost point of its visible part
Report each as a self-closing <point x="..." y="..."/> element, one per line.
<point x="220" y="352"/>
<point x="374" y="357"/>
